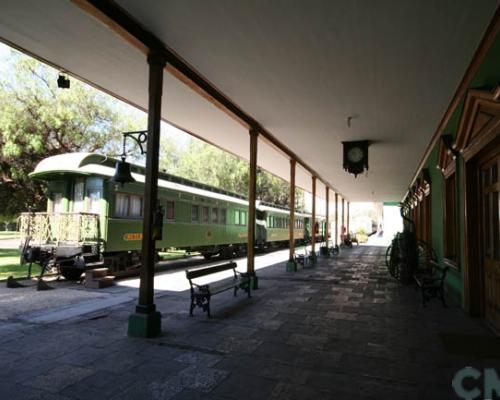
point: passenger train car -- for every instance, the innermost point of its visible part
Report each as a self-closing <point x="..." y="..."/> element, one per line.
<point x="90" y="219"/>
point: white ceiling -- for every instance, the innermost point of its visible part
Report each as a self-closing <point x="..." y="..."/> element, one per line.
<point x="300" y="68"/>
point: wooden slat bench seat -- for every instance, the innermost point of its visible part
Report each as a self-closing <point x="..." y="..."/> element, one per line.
<point x="431" y="282"/>
<point x="202" y="293"/>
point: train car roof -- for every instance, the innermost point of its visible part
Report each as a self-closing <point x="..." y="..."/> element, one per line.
<point x="277" y="210"/>
<point x="91" y="164"/>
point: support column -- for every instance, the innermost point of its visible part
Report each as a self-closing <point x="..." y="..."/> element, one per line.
<point x="146" y="321"/>
<point x="343" y="232"/>
<point x="292" y="265"/>
<point x="348" y="218"/>
<point x="327" y="209"/>
<point x="313" y="221"/>
<point x="252" y="197"/>
<point x="336" y="219"/>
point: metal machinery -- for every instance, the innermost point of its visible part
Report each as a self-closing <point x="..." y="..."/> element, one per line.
<point x="91" y="220"/>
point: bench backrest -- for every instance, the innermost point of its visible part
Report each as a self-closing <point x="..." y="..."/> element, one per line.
<point x="209" y="270"/>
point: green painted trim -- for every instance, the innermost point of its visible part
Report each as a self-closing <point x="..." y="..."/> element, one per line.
<point x="291" y="266"/>
<point x="313" y="258"/>
<point x="254" y="282"/>
<point x="144" y="325"/>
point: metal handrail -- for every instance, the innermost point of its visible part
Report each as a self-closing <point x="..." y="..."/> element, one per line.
<point x="54" y="228"/>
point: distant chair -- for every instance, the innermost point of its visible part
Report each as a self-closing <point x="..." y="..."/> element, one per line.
<point x="348" y="239"/>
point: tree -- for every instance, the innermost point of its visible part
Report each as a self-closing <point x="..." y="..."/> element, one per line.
<point x="39" y="120"/>
<point x="208" y="164"/>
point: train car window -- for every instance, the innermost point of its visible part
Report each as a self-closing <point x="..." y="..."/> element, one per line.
<point x="135" y="207"/>
<point x="121" y="205"/>
<point x="170" y="214"/>
<point x="78" y="196"/>
<point x="195" y="213"/>
<point x="205" y="214"/>
<point x="215" y="215"/>
<point x="222" y="216"/>
<point x="237" y="217"/>
<point x="243" y="218"/>
<point x="57" y="202"/>
<point x="94" y="196"/>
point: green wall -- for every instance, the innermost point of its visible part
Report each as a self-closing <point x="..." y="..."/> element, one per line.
<point x="486" y="78"/>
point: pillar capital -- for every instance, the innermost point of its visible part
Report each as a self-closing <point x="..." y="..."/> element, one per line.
<point x="156" y="57"/>
<point x="253" y="132"/>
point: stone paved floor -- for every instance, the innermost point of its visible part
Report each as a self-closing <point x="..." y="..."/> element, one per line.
<point x="340" y="330"/>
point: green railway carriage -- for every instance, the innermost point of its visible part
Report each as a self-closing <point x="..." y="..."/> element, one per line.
<point x="91" y="219"/>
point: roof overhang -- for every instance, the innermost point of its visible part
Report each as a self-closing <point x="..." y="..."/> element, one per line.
<point x="299" y="70"/>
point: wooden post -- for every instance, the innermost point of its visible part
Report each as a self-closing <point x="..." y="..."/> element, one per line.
<point x="327" y="202"/>
<point x="348" y="218"/>
<point x="252" y="197"/>
<point x="343" y="219"/>
<point x="292" y="265"/>
<point x="146" y="321"/>
<point x="336" y="219"/>
<point x="313" y="220"/>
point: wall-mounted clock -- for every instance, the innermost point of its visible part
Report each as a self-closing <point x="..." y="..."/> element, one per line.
<point x="356" y="156"/>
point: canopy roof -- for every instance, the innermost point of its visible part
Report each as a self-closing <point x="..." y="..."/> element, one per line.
<point x="301" y="69"/>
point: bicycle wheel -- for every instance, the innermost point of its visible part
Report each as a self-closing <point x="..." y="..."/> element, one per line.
<point x="394" y="262"/>
<point x="388" y="255"/>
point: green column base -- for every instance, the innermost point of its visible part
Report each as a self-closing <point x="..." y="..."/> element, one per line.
<point x="254" y="282"/>
<point x="145" y="325"/>
<point x="291" y="266"/>
<point x="313" y="258"/>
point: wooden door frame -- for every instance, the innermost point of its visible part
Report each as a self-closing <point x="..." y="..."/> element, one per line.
<point x="473" y="272"/>
<point x="474" y="149"/>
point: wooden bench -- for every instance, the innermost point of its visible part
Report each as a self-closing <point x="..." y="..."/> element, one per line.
<point x="431" y="282"/>
<point x="202" y="293"/>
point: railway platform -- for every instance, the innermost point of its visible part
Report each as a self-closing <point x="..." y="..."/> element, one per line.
<point x="340" y="330"/>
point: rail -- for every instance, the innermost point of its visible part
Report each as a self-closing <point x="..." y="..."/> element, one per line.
<point x="54" y="228"/>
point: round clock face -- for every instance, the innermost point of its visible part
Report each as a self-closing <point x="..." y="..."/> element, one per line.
<point x="355" y="155"/>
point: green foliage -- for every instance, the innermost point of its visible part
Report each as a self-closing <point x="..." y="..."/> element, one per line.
<point x="208" y="164"/>
<point x="361" y="231"/>
<point x="40" y="120"/>
<point x="9" y="265"/>
<point x="7" y="222"/>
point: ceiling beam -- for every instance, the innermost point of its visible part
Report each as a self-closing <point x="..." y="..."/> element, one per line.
<point x="122" y="23"/>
